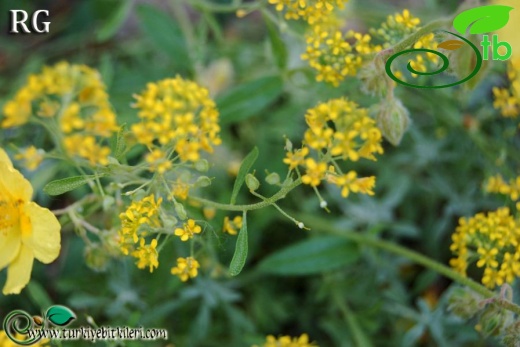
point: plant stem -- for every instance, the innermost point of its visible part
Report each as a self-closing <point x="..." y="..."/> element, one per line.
<point x="319" y="224"/>
<point x="267" y="202"/>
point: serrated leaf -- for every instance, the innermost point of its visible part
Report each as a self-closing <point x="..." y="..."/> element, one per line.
<point x="277" y="45"/>
<point x="60" y="315"/>
<point x="311" y="256"/>
<point x="64" y="185"/>
<point x="241" y="249"/>
<point x="482" y="20"/>
<point x="246" y="165"/>
<point x="163" y="31"/>
<point x="451" y="45"/>
<point x="248" y="99"/>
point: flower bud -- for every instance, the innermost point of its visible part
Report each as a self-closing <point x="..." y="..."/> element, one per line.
<point x="373" y="78"/>
<point x="273" y="178"/>
<point x="209" y="212"/>
<point x="493" y="320"/>
<point x="393" y="120"/>
<point x="202" y="165"/>
<point x="464" y="303"/>
<point x="252" y="182"/>
<point x="96" y="258"/>
<point x="108" y="202"/>
<point x="203" y="181"/>
<point x="181" y="212"/>
<point x="169" y="222"/>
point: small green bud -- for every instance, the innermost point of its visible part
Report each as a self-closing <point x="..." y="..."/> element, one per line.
<point x="169" y="222"/>
<point x="112" y="161"/>
<point x="464" y="303"/>
<point x="393" y="119"/>
<point x="203" y="181"/>
<point x="202" y="165"/>
<point x="252" y="182"/>
<point x="288" y="145"/>
<point x="96" y="258"/>
<point x="181" y="212"/>
<point x="373" y="78"/>
<point x="512" y="335"/>
<point x="493" y="320"/>
<point x="108" y="202"/>
<point x="273" y="178"/>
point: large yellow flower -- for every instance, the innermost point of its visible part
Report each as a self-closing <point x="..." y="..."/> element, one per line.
<point x="510" y="32"/>
<point x="27" y="231"/>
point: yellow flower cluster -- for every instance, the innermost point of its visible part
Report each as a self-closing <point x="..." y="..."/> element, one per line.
<point x="73" y="95"/>
<point x="31" y="157"/>
<point x="492" y="239"/>
<point x="288" y="341"/>
<point x="232" y="226"/>
<point x="338" y="129"/>
<point x="147" y="255"/>
<point x="312" y="11"/>
<point x="139" y="216"/>
<point x="176" y="115"/>
<point x="186" y="268"/>
<point x="496" y="184"/>
<point x="507" y="100"/>
<point x="334" y="54"/>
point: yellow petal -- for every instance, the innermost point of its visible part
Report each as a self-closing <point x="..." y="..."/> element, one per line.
<point x="19" y="272"/>
<point x="14" y="184"/>
<point x="9" y="246"/>
<point x="45" y="238"/>
<point x="4" y="158"/>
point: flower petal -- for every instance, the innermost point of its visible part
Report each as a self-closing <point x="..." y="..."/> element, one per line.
<point x="45" y="239"/>
<point x="14" y="184"/>
<point x="19" y="272"/>
<point x="4" y="158"/>
<point x="9" y="246"/>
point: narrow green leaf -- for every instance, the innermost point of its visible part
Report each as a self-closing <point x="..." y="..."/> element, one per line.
<point x="240" y="256"/>
<point x="118" y="143"/>
<point x="163" y="31"/>
<point x="277" y="45"/>
<point x="246" y="165"/>
<point x="38" y="294"/>
<point x="311" y="256"/>
<point x="60" y="315"/>
<point x="249" y="99"/>
<point x="66" y="184"/>
<point x="483" y="19"/>
<point x="115" y="21"/>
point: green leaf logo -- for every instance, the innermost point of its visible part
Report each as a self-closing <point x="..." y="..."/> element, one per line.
<point x="60" y="315"/>
<point x="482" y="20"/>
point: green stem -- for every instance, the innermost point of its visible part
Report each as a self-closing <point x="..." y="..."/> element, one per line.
<point x="359" y="337"/>
<point x="325" y="226"/>
<point x="267" y="202"/>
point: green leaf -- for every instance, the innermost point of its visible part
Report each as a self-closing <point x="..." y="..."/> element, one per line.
<point x="118" y="143"/>
<point x="60" y="315"/>
<point x="246" y="165"/>
<point x="115" y="21"/>
<point x="249" y="99"/>
<point x="66" y="184"/>
<point x="482" y="20"/>
<point x="277" y="45"/>
<point x="240" y="256"/>
<point x="38" y="294"/>
<point x="163" y="31"/>
<point x="311" y="257"/>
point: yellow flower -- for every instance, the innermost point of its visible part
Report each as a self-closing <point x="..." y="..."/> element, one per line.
<point x="232" y="227"/>
<point x="6" y="341"/>
<point x="287" y="341"/>
<point x="188" y="230"/>
<point x="315" y="172"/>
<point x="158" y="161"/>
<point x="147" y="255"/>
<point x="296" y="158"/>
<point x="186" y="268"/>
<point x="407" y="19"/>
<point x="31" y="157"/>
<point x="27" y="231"/>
